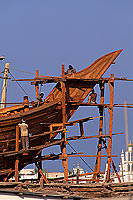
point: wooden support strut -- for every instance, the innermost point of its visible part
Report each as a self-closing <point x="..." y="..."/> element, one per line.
<point x="17" y="157"/>
<point x="98" y="159"/>
<point x="36" y="84"/>
<point x="113" y="165"/>
<point x="63" y="144"/>
<point x="41" y="173"/>
<point x="111" y="88"/>
<point x="81" y="129"/>
<point x="39" y="164"/>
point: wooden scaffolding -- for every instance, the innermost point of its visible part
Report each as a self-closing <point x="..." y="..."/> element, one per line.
<point x="61" y="128"/>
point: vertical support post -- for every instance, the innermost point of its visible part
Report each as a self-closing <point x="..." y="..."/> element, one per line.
<point x="98" y="159"/>
<point x="51" y="130"/>
<point x="40" y="165"/>
<point x="111" y="88"/>
<point x="77" y="181"/>
<point x="41" y="182"/>
<point x="37" y="85"/>
<point x="81" y="129"/>
<point x="4" y="89"/>
<point x="63" y="87"/>
<point x="26" y="103"/>
<point x="17" y="158"/>
<point x="63" y="145"/>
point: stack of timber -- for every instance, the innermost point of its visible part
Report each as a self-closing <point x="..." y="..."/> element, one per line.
<point x="69" y="191"/>
<point x="49" y="112"/>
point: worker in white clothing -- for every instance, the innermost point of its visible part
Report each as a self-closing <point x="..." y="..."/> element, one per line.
<point x="24" y="134"/>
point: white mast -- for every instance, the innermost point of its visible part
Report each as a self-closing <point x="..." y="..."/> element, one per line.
<point x="4" y="89"/>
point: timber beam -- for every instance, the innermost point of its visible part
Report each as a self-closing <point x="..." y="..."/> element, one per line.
<point x="34" y="136"/>
<point x="60" y="157"/>
<point x="89" y="104"/>
<point x="13" y="153"/>
<point x="111" y="88"/>
<point x="90" y="137"/>
<point x="98" y="159"/>
<point x="17" y="158"/>
<point x="71" y="123"/>
<point x="52" y="156"/>
<point x="113" y="165"/>
<point x="53" y="79"/>
<point x="63" y="135"/>
<point x="41" y="173"/>
<point x="96" y="156"/>
<point x="55" y="142"/>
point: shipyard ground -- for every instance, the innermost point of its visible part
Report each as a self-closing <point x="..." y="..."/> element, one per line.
<point x="69" y="191"/>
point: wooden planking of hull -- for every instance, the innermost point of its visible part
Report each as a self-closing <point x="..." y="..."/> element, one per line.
<point x="79" y="91"/>
<point x="50" y="112"/>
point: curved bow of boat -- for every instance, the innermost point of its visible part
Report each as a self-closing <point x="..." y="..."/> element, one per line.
<point x="78" y="91"/>
<point x="99" y="67"/>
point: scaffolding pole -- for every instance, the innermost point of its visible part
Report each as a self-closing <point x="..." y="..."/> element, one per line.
<point x="111" y="88"/>
<point x="98" y="159"/>
<point x="17" y="157"/>
<point x="63" y="144"/>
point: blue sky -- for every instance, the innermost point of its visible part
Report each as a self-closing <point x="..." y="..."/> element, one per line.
<point x="44" y="34"/>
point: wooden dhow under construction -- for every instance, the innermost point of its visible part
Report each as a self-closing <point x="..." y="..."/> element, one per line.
<point x="51" y="118"/>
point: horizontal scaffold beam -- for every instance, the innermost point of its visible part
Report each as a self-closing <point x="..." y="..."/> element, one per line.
<point x="98" y="105"/>
<point x="34" y="136"/>
<point x="88" y="104"/>
<point x="52" y="156"/>
<point x="14" y="153"/>
<point x="53" y="79"/>
<point x="90" y="137"/>
<point x="60" y="157"/>
<point x="69" y="123"/>
<point x="54" y="142"/>
<point x="92" y="156"/>
<point x="72" y="103"/>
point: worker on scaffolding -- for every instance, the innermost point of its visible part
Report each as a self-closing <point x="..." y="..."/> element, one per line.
<point x="71" y="70"/>
<point x="24" y="134"/>
<point x="39" y="101"/>
<point x="92" y="97"/>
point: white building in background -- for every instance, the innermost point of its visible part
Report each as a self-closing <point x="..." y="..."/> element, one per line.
<point x="126" y="165"/>
<point x="84" y="177"/>
<point x="53" y="175"/>
<point x="77" y="169"/>
<point x="27" y="174"/>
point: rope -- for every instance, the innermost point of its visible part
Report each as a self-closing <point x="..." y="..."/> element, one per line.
<point x="81" y="158"/>
<point x="22" y="71"/>
<point x="26" y="72"/>
<point x="21" y="87"/>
